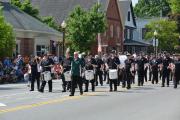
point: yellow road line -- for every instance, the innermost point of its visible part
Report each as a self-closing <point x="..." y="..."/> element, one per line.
<point x="60" y="100"/>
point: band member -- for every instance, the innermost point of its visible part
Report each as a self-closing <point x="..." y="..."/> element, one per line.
<point x="128" y="72"/>
<point x="113" y="63"/>
<point x="76" y="69"/>
<point x="166" y="70"/>
<point x="99" y="70"/>
<point x="140" y="69"/>
<point x="46" y="64"/>
<point x="90" y="65"/>
<point x="66" y="63"/>
<point x="176" y="72"/>
<point x="105" y="72"/>
<point x="154" y="69"/>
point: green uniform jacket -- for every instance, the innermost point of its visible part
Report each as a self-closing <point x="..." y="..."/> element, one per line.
<point x="76" y="67"/>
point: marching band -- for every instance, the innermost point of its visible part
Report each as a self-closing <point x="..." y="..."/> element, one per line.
<point x="113" y="69"/>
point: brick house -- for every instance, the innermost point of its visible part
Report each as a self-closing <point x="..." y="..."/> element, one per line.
<point x="59" y="9"/>
<point x="32" y="36"/>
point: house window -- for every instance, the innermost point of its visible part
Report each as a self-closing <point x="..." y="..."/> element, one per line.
<point x="128" y="34"/>
<point x="111" y="31"/>
<point x="129" y="16"/>
<point x="40" y="50"/>
<point x="16" y="50"/>
<point x="144" y="30"/>
<point x="118" y="32"/>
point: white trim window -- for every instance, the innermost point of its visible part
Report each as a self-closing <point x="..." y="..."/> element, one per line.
<point x="112" y="31"/>
<point x="128" y="33"/>
<point x="40" y="50"/>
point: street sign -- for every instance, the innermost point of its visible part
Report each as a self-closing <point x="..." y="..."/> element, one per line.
<point x="155" y="42"/>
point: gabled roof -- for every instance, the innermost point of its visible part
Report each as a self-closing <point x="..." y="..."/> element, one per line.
<point x="124" y="6"/>
<point x="133" y="15"/>
<point x="60" y="9"/>
<point x="24" y="22"/>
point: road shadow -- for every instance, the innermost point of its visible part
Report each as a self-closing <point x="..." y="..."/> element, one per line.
<point x="9" y="88"/>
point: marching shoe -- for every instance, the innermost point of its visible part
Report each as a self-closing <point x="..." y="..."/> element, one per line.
<point x="71" y="95"/>
<point x="41" y="91"/>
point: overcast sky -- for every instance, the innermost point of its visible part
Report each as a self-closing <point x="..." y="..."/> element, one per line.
<point x="134" y="2"/>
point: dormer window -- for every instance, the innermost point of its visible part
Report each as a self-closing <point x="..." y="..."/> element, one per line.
<point x="129" y="16"/>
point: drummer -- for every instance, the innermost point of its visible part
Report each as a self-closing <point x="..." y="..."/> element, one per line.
<point x="46" y="64"/>
<point x="90" y="65"/>
<point x="66" y="63"/>
<point x="128" y="71"/>
<point x="113" y="63"/>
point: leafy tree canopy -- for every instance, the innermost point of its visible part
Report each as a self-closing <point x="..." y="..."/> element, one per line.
<point x="83" y="27"/>
<point x="152" y="8"/>
<point x="175" y="6"/>
<point x="27" y="7"/>
<point x="7" y="39"/>
<point x="167" y="33"/>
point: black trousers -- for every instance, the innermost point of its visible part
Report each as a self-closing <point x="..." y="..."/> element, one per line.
<point x="176" y="81"/>
<point x="155" y="77"/>
<point x="37" y="78"/>
<point x="150" y="75"/>
<point x="105" y="75"/>
<point x="86" y="82"/>
<point x="140" y="78"/>
<point x="76" y="80"/>
<point x="128" y="79"/>
<point x="145" y="76"/>
<point x="64" y="83"/>
<point x="44" y="84"/>
<point x="120" y="76"/>
<point x="99" y="73"/>
<point x="111" y="82"/>
<point x="165" y="76"/>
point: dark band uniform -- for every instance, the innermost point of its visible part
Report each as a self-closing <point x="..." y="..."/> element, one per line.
<point x="67" y="67"/>
<point x="141" y="70"/>
<point x="46" y="67"/>
<point x="113" y="64"/>
<point x="177" y="74"/>
<point x="89" y="66"/>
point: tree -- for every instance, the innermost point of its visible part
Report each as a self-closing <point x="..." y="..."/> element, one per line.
<point x="7" y="39"/>
<point x="27" y="7"/>
<point x="167" y="34"/>
<point x="49" y="20"/>
<point x="83" y="27"/>
<point x="175" y="6"/>
<point x="152" y="8"/>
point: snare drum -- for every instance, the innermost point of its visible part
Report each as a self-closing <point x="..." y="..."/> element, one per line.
<point x="113" y="74"/>
<point x="46" y="76"/>
<point x="67" y="76"/>
<point x="89" y="74"/>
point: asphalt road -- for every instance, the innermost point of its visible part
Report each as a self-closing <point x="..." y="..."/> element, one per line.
<point x="150" y="102"/>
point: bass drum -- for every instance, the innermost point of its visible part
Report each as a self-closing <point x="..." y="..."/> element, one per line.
<point x="113" y="74"/>
<point x="67" y="76"/>
<point x="89" y="74"/>
<point x="46" y="76"/>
